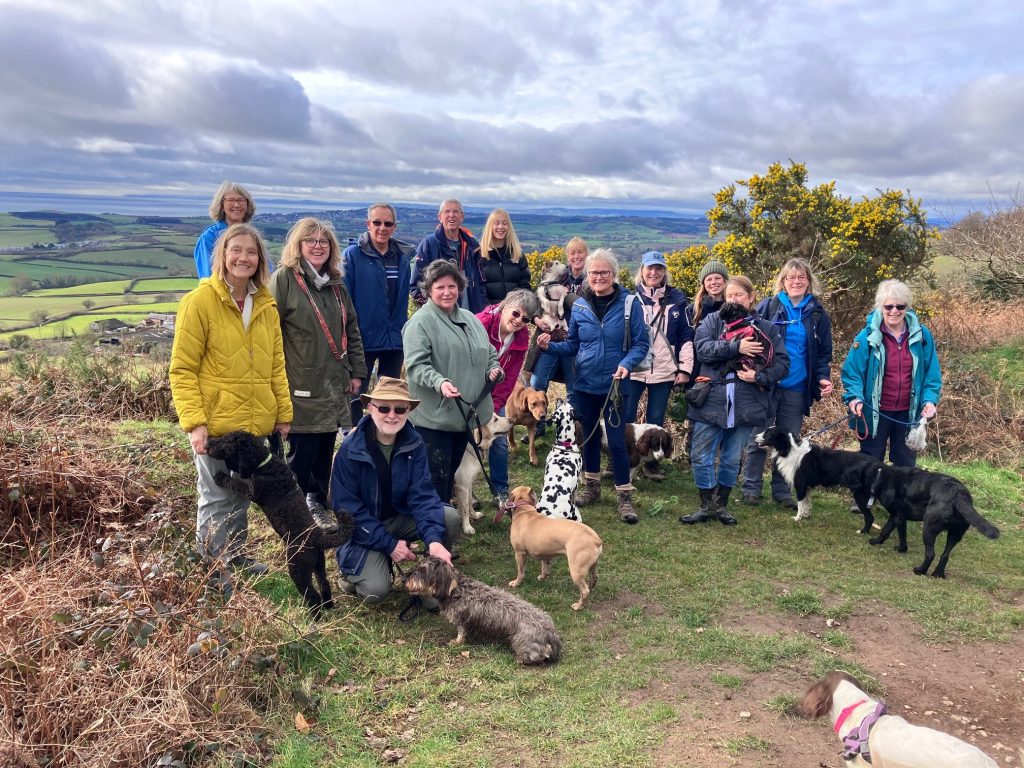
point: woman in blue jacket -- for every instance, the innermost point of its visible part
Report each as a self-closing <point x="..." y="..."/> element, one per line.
<point x="598" y="341"/>
<point x="381" y="477"/>
<point x="806" y="330"/>
<point x="232" y="204"/>
<point x="738" y="401"/>
<point x="891" y="377"/>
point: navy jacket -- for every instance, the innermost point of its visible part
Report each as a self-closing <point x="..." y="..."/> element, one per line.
<point x="354" y="488"/>
<point x="379" y="324"/>
<point x="435" y="246"/>
<point x="818" y="326"/>
<point x="733" y="402"/>
<point x="597" y="345"/>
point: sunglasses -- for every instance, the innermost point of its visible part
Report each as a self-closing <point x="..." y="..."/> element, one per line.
<point x="516" y="314"/>
<point x="385" y="224"/>
<point x="891" y="307"/>
<point x="400" y="410"/>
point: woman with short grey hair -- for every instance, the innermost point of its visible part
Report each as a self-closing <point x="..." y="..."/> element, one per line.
<point x="604" y="358"/>
<point x="231" y="204"/>
<point x="891" y="376"/>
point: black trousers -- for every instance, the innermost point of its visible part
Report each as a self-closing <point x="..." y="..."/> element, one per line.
<point x="444" y="454"/>
<point x="310" y="457"/>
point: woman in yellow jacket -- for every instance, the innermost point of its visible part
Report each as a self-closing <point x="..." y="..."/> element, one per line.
<point x="227" y="373"/>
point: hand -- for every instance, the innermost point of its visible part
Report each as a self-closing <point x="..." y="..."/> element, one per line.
<point x="402" y="552"/>
<point x="929" y="410"/>
<point x="857" y="408"/>
<point x="354" y="385"/>
<point x="748" y="375"/>
<point x="543" y="340"/>
<point x="682" y="378"/>
<point x="543" y="324"/>
<point x="826" y="387"/>
<point x="750" y="348"/>
<point x="283" y="430"/>
<point x="495" y="374"/>
<point x="198" y="437"/>
<point x="620" y="373"/>
<point x="448" y="389"/>
<point x="437" y="550"/>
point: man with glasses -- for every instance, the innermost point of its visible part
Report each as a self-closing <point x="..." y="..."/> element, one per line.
<point x="455" y="244"/>
<point x="377" y="270"/>
<point x="382" y="478"/>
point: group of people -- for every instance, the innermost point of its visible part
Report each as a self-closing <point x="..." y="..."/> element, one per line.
<point x="289" y="354"/>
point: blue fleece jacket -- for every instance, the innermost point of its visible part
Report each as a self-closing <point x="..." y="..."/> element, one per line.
<point x="467" y="259"/>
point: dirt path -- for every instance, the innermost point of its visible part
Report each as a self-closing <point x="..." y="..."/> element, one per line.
<point x="973" y="691"/>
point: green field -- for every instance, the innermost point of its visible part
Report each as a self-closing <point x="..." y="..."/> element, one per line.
<point x="154" y="256"/>
<point x="164" y="284"/>
<point x="79" y="323"/>
<point x="92" y="289"/>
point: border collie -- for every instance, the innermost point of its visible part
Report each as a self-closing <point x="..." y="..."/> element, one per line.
<point x="805" y="466"/>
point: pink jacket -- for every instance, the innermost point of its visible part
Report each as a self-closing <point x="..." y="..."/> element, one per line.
<point x="512" y="361"/>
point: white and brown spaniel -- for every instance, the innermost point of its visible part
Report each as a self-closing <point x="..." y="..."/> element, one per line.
<point x="647" y="444"/>
<point x="873" y="737"/>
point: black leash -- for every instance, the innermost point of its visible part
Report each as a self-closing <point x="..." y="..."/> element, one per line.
<point x="412" y="609"/>
<point x="614" y="416"/>
<point x="469" y="416"/>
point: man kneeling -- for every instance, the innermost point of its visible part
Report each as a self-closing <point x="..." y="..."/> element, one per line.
<point x="382" y="478"/>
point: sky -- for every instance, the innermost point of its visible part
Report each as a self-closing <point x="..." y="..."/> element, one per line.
<point x="610" y="103"/>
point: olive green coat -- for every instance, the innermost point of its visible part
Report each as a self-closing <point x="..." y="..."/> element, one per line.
<point x="318" y="382"/>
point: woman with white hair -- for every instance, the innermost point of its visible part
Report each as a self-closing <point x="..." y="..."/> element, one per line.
<point x="891" y="376"/>
<point x="232" y="204"/>
<point x="323" y="352"/>
<point x="604" y="357"/>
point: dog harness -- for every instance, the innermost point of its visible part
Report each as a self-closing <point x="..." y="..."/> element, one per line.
<point x="737" y="331"/>
<point x="856" y="741"/>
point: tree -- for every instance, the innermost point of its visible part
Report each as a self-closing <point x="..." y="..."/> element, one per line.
<point x="992" y="247"/>
<point x="88" y="304"/>
<point x="851" y="246"/>
<point x="20" y="285"/>
<point x="38" y="316"/>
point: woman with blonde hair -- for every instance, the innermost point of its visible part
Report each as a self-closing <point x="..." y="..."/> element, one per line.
<point x="806" y="330"/>
<point x="227" y="373"/>
<point x="232" y="204"/>
<point x="737" y="402"/>
<point x="502" y="263"/>
<point x="323" y="352"/>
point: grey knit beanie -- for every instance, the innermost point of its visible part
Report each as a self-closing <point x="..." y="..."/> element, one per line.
<point x="711" y="268"/>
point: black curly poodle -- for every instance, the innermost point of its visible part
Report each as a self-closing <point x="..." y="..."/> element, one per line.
<point x="263" y="477"/>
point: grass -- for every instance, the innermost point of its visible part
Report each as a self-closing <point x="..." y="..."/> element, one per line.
<point x="79" y="323"/>
<point x="110" y="287"/>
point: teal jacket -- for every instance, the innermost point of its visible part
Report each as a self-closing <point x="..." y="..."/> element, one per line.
<point x="865" y="364"/>
<point x="440" y="346"/>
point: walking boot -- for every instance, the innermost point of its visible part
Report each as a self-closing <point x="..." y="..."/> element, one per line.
<point x="705" y="511"/>
<point x="627" y="513"/>
<point x="590" y="492"/>
<point x="721" y="511"/>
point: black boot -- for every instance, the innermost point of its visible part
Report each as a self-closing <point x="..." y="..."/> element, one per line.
<point x="721" y="511"/>
<point x="705" y="511"/>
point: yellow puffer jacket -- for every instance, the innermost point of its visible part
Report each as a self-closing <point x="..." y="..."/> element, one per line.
<point x="222" y="375"/>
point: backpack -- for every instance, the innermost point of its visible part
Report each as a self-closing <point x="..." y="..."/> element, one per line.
<point x="647" y="363"/>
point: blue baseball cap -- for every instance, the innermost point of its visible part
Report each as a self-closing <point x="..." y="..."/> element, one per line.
<point x="653" y="259"/>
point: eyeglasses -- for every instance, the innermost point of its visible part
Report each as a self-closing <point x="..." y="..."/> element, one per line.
<point x="312" y="243"/>
<point x="795" y="278"/>
<point x="385" y="224"/>
<point x="891" y="307"/>
<point x="600" y="273"/>
<point x="384" y="410"/>
<point x="235" y="201"/>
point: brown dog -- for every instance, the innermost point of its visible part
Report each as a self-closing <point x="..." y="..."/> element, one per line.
<point x="526" y="406"/>
<point x="544" y="537"/>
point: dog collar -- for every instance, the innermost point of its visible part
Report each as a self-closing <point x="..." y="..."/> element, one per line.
<point x="507" y="507"/>
<point x="856" y="741"/>
<point x="265" y="461"/>
<point x="564" y="443"/>
<point x="845" y="714"/>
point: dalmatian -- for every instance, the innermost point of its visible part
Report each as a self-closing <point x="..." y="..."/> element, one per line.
<point x="562" y="468"/>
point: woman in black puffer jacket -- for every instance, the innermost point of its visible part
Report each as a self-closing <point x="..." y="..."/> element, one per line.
<point x="501" y="258"/>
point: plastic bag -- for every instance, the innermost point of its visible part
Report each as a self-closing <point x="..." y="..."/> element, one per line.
<point x="917" y="437"/>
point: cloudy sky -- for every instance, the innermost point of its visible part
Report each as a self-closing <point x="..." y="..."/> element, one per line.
<point x="610" y="102"/>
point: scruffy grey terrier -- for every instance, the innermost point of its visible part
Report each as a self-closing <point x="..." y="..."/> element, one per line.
<point x="486" y="613"/>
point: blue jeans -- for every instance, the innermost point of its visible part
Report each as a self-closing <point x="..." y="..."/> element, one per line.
<point x="546" y="366"/>
<point x="895" y="435"/>
<point x="788" y="405"/>
<point x="657" y="400"/>
<point x="588" y="409"/>
<point x="725" y="445"/>
<point x="497" y="460"/>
